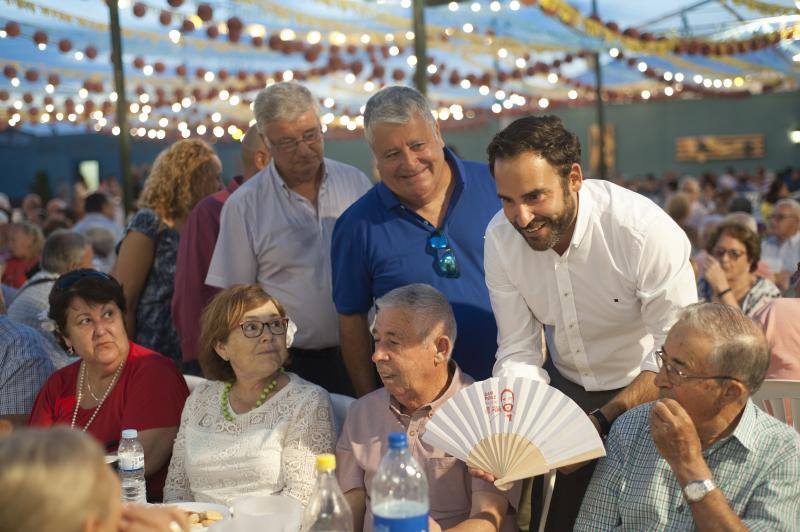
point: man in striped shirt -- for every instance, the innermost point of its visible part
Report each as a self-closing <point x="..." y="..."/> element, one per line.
<point x="703" y="456"/>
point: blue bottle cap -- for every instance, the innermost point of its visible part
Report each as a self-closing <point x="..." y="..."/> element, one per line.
<point x="129" y="434"/>
<point x="397" y="440"/>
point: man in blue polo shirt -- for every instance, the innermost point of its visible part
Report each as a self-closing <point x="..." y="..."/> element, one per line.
<point x="423" y="223"/>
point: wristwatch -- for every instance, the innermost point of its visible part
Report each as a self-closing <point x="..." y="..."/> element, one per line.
<point x="602" y="420"/>
<point x="695" y="490"/>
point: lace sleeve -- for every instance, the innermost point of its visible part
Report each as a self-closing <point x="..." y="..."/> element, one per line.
<point x="176" y="487"/>
<point x="311" y="433"/>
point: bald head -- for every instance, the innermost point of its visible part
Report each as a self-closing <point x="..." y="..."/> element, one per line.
<point x="255" y="154"/>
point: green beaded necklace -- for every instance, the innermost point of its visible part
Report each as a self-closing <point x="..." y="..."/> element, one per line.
<point x="226" y="391"/>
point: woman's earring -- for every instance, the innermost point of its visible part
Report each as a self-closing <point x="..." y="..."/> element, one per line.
<point x="70" y="351"/>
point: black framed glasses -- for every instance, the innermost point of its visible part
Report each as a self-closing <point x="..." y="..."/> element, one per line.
<point x="254" y="329"/>
<point x="446" y="263"/>
<point x="733" y="253"/>
<point x="70" y="278"/>
<point x="677" y="375"/>
<point x="290" y="145"/>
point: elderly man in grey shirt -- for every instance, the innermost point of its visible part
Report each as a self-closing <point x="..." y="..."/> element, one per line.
<point x="275" y="230"/>
<point x="63" y="251"/>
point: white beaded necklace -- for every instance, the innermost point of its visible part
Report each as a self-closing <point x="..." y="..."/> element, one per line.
<point x="81" y="377"/>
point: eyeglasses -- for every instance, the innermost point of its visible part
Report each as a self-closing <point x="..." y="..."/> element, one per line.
<point x="291" y="145"/>
<point x="676" y="375"/>
<point x="70" y="278"/>
<point x="254" y="329"/>
<point x="446" y="263"/>
<point x="778" y="217"/>
<point x="721" y="252"/>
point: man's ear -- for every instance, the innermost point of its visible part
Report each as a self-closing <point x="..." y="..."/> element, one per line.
<point x="734" y="391"/>
<point x="442" y="344"/>
<point x="262" y="158"/>
<point x="575" y="177"/>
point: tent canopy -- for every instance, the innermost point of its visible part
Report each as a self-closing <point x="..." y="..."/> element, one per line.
<point x="194" y="67"/>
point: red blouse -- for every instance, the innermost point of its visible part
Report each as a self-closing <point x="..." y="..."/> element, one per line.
<point x="149" y="394"/>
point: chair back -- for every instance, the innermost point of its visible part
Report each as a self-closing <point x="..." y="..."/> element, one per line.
<point x="192" y="381"/>
<point x="781" y="399"/>
<point x="340" y="405"/>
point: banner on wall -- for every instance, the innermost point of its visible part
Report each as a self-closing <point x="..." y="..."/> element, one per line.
<point x="719" y="147"/>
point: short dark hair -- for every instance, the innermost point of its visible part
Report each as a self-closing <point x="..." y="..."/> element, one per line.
<point x="95" y="202"/>
<point x="98" y="288"/>
<point x="742" y="233"/>
<point x="545" y="135"/>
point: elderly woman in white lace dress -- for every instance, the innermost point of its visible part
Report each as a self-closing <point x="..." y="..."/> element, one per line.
<point x="252" y="429"/>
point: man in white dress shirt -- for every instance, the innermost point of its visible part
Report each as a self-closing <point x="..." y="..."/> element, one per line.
<point x="602" y="269"/>
<point x="275" y="229"/>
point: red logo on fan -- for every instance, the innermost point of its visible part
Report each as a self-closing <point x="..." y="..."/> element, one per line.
<point x="507" y="402"/>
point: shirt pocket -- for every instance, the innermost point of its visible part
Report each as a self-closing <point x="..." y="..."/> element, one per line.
<point x="449" y="481"/>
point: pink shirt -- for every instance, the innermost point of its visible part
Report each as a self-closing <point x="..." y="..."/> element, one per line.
<point x="191" y="294"/>
<point x="363" y="443"/>
<point x="781" y="322"/>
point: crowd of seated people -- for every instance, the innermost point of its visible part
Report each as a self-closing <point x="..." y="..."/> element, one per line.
<point x="302" y="279"/>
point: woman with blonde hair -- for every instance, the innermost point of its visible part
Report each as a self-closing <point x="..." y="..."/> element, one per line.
<point x="57" y="479"/>
<point x="252" y="429"/>
<point x="182" y="175"/>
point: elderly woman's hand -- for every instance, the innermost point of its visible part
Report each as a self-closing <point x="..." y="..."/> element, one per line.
<point x="136" y="518"/>
<point x="715" y="275"/>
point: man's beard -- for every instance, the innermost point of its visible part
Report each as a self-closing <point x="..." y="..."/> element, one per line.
<point x="558" y="227"/>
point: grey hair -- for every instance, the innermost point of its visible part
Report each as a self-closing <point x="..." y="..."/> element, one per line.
<point x="428" y="307"/>
<point x="102" y="240"/>
<point x="742" y="218"/>
<point x="739" y="348"/>
<point x="792" y="203"/>
<point x="688" y="180"/>
<point x="396" y="105"/>
<point x="285" y="100"/>
<point x="62" y="249"/>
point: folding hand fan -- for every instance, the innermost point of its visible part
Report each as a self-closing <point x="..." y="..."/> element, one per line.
<point x="514" y="429"/>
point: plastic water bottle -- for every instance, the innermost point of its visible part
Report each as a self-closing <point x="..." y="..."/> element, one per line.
<point x="131" y="467"/>
<point x="399" y="494"/>
<point x="327" y="509"/>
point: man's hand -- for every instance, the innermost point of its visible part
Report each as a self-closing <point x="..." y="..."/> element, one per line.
<point x="136" y="518"/>
<point x="677" y="440"/>
<point x="481" y="474"/>
<point x="715" y="275"/>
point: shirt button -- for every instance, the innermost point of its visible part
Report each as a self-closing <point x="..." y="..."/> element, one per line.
<point x="566" y="294"/>
<point x="412" y="433"/>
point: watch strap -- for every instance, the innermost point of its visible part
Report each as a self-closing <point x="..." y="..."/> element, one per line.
<point x="605" y="424"/>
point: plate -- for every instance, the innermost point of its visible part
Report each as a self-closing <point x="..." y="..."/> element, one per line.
<point x="111" y="458"/>
<point x="200" y="507"/>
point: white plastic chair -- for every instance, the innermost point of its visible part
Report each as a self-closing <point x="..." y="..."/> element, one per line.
<point x="781" y="399"/>
<point x="340" y="405"/>
<point x="192" y="381"/>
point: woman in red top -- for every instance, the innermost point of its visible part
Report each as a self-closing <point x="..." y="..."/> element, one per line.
<point x="25" y="243"/>
<point x="116" y="384"/>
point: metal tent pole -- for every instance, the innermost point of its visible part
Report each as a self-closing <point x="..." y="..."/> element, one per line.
<point x="122" y="105"/>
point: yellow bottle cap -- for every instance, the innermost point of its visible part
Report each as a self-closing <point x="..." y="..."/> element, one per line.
<point x="326" y="462"/>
